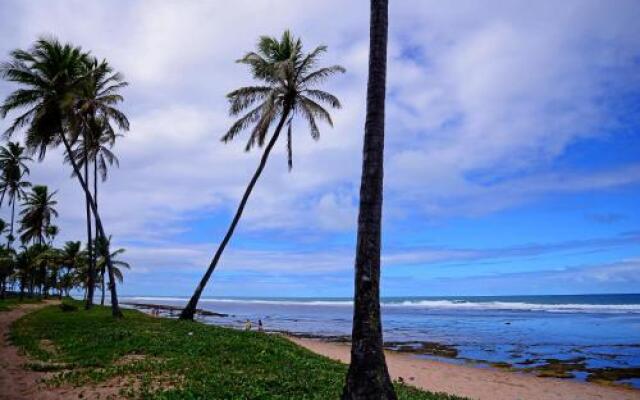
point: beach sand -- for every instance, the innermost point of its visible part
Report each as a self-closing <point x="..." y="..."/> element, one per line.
<point x="476" y="383"/>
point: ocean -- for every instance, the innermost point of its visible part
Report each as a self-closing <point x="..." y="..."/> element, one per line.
<point x="585" y="334"/>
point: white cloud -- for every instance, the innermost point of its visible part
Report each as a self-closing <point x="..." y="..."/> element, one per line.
<point x="483" y="97"/>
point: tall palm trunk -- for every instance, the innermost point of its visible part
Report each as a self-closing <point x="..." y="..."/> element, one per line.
<point x="368" y="377"/>
<point x="190" y="309"/>
<point x="13" y="214"/>
<point x="115" y="308"/>
<point x="95" y="199"/>
<point x="92" y="272"/>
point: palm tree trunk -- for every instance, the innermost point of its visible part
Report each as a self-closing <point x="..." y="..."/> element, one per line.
<point x="95" y="199"/>
<point x="115" y="308"/>
<point x="190" y="309"/>
<point x="368" y="377"/>
<point x="91" y="280"/>
<point x="13" y="214"/>
<point x="102" y="298"/>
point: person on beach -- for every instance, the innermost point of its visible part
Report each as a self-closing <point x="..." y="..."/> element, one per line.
<point x="260" y="325"/>
<point x="247" y="325"/>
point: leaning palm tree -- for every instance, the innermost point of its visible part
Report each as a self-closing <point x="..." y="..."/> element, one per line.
<point x="13" y="169"/>
<point x="37" y="213"/>
<point x="52" y="76"/>
<point x="102" y="246"/>
<point x="368" y="377"/>
<point x="288" y="79"/>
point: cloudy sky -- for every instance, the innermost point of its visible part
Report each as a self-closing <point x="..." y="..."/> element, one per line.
<point x="512" y="157"/>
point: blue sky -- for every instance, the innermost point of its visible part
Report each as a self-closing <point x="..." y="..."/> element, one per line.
<point x="512" y="157"/>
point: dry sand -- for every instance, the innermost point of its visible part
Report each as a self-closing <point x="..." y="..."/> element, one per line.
<point x="476" y="383"/>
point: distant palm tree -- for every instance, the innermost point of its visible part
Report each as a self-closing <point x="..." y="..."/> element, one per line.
<point x="36" y="215"/>
<point x="368" y="377"/>
<point x="102" y="246"/>
<point x="71" y="257"/>
<point x="13" y="169"/>
<point x="7" y="265"/>
<point x="52" y="77"/>
<point x="288" y="89"/>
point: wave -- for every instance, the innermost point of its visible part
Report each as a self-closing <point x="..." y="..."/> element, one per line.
<point x="426" y="304"/>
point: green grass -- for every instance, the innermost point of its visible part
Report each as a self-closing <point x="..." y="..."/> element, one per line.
<point x="8" y="303"/>
<point x="194" y="361"/>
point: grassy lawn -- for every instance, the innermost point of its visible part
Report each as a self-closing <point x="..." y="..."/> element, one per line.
<point x="171" y="359"/>
<point x="8" y="303"/>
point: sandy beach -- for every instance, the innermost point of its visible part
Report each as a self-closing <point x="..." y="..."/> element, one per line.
<point x="476" y="383"/>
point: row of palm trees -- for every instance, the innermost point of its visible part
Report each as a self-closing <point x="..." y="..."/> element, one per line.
<point x="70" y="99"/>
<point x="37" y="265"/>
<point x="41" y="269"/>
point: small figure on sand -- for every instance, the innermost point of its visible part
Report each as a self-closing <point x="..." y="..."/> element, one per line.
<point x="260" y="325"/>
<point x="247" y="325"/>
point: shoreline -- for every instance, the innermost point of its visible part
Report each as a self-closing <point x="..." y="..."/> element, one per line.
<point x="473" y="382"/>
<point x="565" y="369"/>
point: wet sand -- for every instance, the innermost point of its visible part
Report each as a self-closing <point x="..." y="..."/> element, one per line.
<point x="476" y="383"/>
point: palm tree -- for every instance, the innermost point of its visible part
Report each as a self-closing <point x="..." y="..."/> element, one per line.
<point x="95" y="111"/>
<point x="7" y="265"/>
<point x="288" y="89"/>
<point x="52" y="77"/>
<point x="102" y="246"/>
<point x="13" y="169"/>
<point x="368" y="377"/>
<point x="36" y="215"/>
<point x="51" y="233"/>
<point x="71" y="257"/>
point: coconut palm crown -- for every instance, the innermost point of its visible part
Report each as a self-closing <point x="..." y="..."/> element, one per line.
<point x="289" y="77"/>
<point x="37" y="213"/>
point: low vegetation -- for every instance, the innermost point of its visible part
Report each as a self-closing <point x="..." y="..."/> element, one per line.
<point x="157" y="358"/>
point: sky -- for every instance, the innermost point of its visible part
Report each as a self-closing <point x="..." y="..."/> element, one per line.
<point x="512" y="157"/>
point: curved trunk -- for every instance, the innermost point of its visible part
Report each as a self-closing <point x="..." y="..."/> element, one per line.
<point x="91" y="279"/>
<point x="115" y="307"/>
<point x="190" y="309"/>
<point x="368" y="377"/>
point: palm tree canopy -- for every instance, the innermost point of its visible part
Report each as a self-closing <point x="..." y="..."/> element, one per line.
<point x="37" y="213"/>
<point x="13" y="169"/>
<point x="71" y="254"/>
<point x="102" y="246"/>
<point x="50" y="75"/>
<point x="95" y="114"/>
<point x="98" y="148"/>
<point x="289" y="78"/>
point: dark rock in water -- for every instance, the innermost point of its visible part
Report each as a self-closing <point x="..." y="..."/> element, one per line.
<point x="555" y="368"/>
<point x="429" y="348"/>
<point x="607" y="375"/>
<point x="172" y="309"/>
<point x="501" y="365"/>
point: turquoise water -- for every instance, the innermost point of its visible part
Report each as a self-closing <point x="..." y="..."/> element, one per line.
<point x="603" y="331"/>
